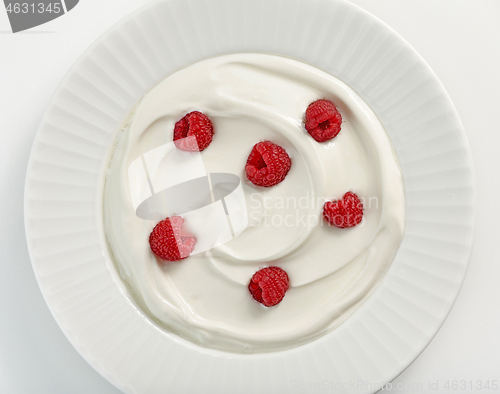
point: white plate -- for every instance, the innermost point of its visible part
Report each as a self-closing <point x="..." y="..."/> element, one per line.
<point x="63" y="196"/>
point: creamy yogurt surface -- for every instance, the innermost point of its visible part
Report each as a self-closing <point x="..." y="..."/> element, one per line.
<point x="250" y="98"/>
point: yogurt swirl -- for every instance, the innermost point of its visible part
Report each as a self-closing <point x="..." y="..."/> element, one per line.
<point x="249" y="98"/>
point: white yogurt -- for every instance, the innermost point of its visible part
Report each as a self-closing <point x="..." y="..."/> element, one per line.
<point x="254" y="97"/>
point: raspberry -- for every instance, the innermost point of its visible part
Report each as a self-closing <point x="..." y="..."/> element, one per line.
<point x="323" y="120"/>
<point x="196" y="125"/>
<point x="347" y="212"/>
<point x="269" y="285"/>
<point x="168" y="242"/>
<point x="267" y="164"/>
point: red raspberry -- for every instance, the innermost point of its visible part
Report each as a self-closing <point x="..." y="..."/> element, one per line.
<point x="269" y="285"/>
<point x="323" y="120"/>
<point x="347" y="212"/>
<point x="168" y="242"/>
<point x="196" y="125"/>
<point x="267" y="164"/>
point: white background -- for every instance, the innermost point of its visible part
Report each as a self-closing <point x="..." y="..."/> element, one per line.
<point x="461" y="42"/>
